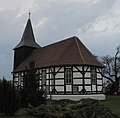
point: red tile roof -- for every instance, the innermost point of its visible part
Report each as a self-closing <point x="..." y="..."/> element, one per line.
<point x="67" y="52"/>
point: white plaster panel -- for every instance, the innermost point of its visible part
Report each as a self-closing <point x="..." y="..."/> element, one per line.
<point x="77" y="81"/>
<point x="59" y="82"/>
<point x="87" y="81"/>
<point x="79" y="67"/>
<point x="94" y="87"/>
<point x="99" y="82"/>
<point x="62" y="69"/>
<point x="98" y="69"/>
<point x="51" y="76"/>
<point x="16" y="74"/>
<point x="47" y="76"/>
<point x="88" y="88"/>
<point x="56" y="69"/>
<point x="15" y="79"/>
<point x="99" y="88"/>
<point x="85" y="67"/>
<point x="88" y="69"/>
<point x="51" y="69"/>
<point x="47" y="70"/>
<point x="59" y="75"/>
<point x="39" y="87"/>
<point x="40" y="70"/>
<point x="51" y="88"/>
<point x="51" y="82"/>
<point x="75" y="69"/>
<point x="99" y="75"/>
<point x="80" y="88"/>
<point x="59" y="88"/>
<point x="47" y="82"/>
<point x="68" y="66"/>
<point x="68" y="87"/>
<point x="15" y="84"/>
<point x="77" y="74"/>
<point x="21" y="83"/>
<point x="22" y="73"/>
<point x="39" y="82"/>
<point x="87" y="74"/>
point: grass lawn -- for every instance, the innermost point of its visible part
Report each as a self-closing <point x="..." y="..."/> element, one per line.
<point x="113" y="102"/>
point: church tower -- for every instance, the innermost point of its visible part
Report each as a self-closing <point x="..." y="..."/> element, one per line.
<point x="26" y="45"/>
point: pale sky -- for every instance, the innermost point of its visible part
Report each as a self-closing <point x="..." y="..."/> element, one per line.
<point x="95" y="22"/>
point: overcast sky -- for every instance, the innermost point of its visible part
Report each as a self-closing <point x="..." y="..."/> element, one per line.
<point x="95" y="22"/>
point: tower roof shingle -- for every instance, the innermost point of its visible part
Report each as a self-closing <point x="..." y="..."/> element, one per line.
<point x="28" y="38"/>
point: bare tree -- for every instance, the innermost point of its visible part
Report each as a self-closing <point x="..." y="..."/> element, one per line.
<point x="117" y="68"/>
<point x="112" y="69"/>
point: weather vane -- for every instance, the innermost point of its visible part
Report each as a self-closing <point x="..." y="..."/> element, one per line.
<point x="29" y="13"/>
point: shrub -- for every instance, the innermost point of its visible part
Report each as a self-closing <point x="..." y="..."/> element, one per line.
<point x="9" y="98"/>
<point x="86" y="108"/>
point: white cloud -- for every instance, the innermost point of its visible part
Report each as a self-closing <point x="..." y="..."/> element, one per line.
<point x="26" y="6"/>
<point x="83" y="1"/>
<point x="107" y="23"/>
<point x="52" y="20"/>
<point x="94" y="2"/>
<point x="116" y="7"/>
<point x="41" y="23"/>
<point x="21" y="6"/>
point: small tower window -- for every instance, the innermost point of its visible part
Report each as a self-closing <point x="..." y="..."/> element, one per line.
<point x="93" y="76"/>
<point x="68" y="76"/>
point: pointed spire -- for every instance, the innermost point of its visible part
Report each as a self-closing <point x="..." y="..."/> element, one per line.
<point x="28" y="38"/>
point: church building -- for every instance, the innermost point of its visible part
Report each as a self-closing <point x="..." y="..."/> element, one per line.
<point x="66" y="69"/>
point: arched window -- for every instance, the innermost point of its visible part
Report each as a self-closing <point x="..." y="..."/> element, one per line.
<point x="93" y="75"/>
<point x="68" y="76"/>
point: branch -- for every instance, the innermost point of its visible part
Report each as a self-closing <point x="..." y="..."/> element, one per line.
<point x="118" y="69"/>
<point x="107" y="78"/>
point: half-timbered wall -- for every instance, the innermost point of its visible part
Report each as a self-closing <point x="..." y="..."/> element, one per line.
<point x="18" y="80"/>
<point x="67" y="80"/>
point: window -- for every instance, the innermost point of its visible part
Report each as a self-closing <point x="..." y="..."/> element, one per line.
<point x="76" y="89"/>
<point x="93" y="75"/>
<point x="68" y="76"/>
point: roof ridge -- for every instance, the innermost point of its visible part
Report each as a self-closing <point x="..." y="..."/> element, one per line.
<point x="58" y="41"/>
<point x="80" y="53"/>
